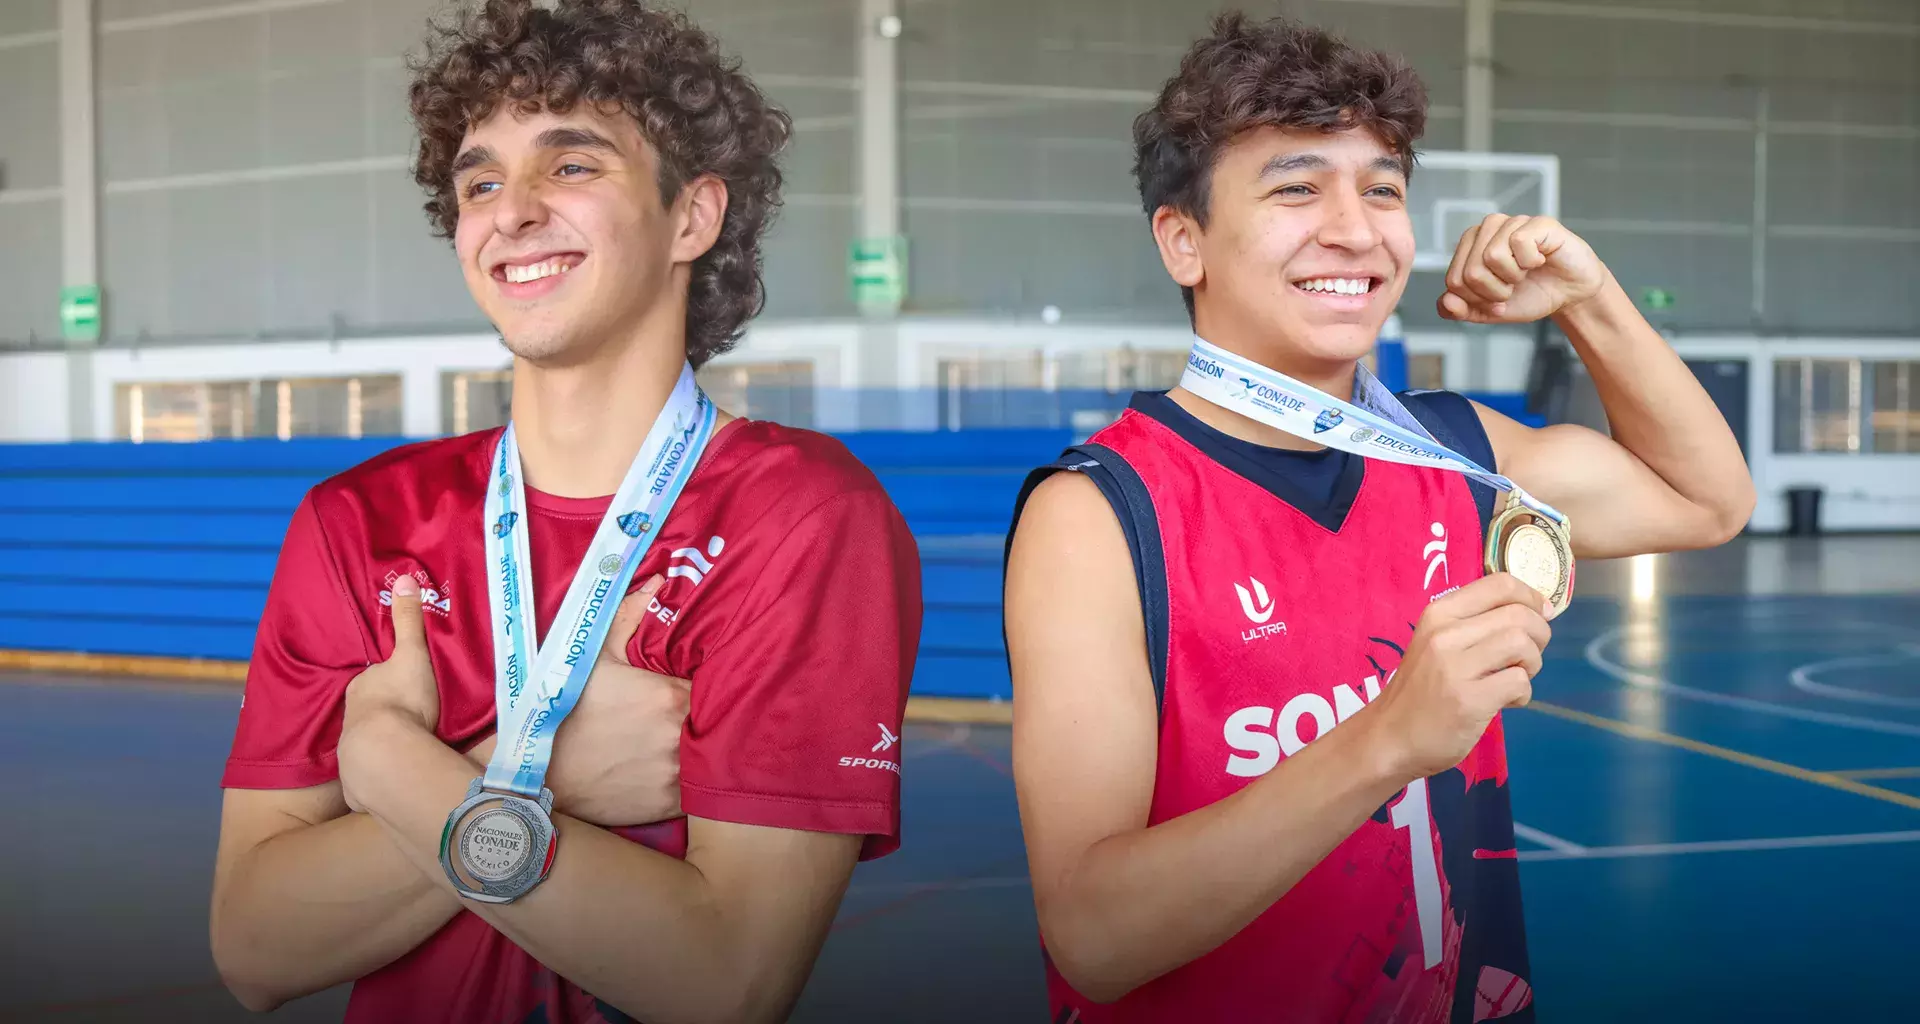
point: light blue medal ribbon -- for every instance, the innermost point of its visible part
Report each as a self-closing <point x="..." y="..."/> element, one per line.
<point x="1382" y="428"/>
<point x="1378" y="426"/>
<point x="536" y="688"/>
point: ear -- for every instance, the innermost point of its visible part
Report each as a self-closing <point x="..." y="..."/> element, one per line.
<point x="699" y="211"/>
<point x="1178" y="237"/>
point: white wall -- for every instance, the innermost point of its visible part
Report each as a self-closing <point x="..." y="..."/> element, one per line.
<point x="33" y="397"/>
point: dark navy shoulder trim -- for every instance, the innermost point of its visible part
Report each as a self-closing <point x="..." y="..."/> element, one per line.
<point x="1450" y="418"/>
<point x="1120" y="483"/>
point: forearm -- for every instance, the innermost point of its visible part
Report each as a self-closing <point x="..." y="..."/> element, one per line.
<point x="1142" y="903"/>
<point x="1656" y="408"/>
<point x="636" y="928"/>
<point x="318" y="906"/>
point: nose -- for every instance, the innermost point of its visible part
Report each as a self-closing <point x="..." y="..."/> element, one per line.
<point x="1349" y="223"/>
<point x="518" y="208"/>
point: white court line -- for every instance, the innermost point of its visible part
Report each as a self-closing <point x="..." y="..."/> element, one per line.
<point x="1584" y="853"/>
<point x="1724" y="846"/>
<point x="956" y="738"/>
<point x="1802" y="678"/>
<point x="1552" y="842"/>
<point x="1646" y="680"/>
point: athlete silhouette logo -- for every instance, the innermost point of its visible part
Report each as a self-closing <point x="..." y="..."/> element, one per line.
<point x="1435" y="554"/>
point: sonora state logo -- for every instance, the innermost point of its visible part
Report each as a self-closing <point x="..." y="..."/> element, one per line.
<point x="1435" y="554"/>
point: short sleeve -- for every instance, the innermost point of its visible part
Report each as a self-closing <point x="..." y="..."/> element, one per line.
<point x="796" y="712"/>
<point x="308" y="647"/>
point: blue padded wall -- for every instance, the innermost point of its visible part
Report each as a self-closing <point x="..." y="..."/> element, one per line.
<point x="168" y="549"/>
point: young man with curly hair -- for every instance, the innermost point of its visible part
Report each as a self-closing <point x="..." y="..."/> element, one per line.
<point x="605" y="176"/>
<point x="1197" y="598"/>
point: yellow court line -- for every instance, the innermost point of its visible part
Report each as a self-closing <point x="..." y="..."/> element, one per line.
<point x="1641" y="732"/>
<point x="206" y="670"/>
<point x="1879" y="773"/>
<point x="970" y="710"/>
<point x="919" y="709"/>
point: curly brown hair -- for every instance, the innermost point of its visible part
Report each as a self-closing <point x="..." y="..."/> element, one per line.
<point x="694" y="106"/>
<point x="1277" y="73"/>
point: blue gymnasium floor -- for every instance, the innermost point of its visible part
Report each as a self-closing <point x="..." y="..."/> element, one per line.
<point x="1719" y="793"/>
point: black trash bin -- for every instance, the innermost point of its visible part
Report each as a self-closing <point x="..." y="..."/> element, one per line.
<point x="1803" y="511"/>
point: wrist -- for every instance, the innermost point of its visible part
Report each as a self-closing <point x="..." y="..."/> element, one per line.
<point x="1381" y="755"/>
<point x="1597" y="313"/>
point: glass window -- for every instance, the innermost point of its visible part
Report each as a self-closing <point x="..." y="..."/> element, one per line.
<point x="1896" y="406"/>
<point x="473" y="400"/>
<point x="288" y="408"/>
<point x="779" y="391"/>
<point x="1818" y="405"/>
<point x="1119" y="371"/>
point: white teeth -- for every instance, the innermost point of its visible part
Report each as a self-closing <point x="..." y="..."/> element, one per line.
<point x="536" y="271"/>
<point x="1338" y="285"/>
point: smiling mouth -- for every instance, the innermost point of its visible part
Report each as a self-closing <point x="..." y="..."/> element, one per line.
<point x="549" y="266"/>
<point x="1364" y="285"/>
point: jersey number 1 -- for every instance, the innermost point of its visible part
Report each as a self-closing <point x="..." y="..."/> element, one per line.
<point x="1411" y="814"/>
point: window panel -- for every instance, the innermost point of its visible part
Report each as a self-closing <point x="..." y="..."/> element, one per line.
<point x="1896" y="406"/>
<point x="307" y="407"/>
<point x="1818" y="405"/>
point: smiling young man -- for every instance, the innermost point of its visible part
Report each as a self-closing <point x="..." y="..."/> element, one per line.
<point x="605" y="177"/>
<point x="1201" y="594"/>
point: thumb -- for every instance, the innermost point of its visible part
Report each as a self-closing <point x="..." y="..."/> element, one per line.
<point x="409" y="632"/>
<point x="1453" y="306"/>
<point x="626" y="620"/>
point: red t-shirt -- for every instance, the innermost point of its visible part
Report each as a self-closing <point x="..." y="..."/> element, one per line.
<point x="792" y="603"/>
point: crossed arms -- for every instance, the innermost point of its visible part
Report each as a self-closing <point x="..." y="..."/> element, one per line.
<point x="310" y="892"/>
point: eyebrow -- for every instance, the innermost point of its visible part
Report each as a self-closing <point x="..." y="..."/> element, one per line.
<point x="552" y="138"/>
<point x="471" y="158"/>
<point x="574" y="138"/>
<point x="1290" y="162"/>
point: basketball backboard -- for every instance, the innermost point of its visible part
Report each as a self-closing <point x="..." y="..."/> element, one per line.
<point x="1451" y="191"/>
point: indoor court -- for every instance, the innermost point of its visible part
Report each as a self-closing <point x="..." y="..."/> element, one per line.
<point x="1717" y="794"/>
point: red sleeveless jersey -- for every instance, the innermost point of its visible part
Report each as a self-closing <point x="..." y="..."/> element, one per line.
<point x="1274" y="625"/>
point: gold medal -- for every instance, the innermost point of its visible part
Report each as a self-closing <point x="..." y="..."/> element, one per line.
<point x="1534" y="549"/>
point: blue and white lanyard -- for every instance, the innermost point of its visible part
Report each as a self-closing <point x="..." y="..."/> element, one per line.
<point x="1377" y="428"/>
<point x="534" y="690"/>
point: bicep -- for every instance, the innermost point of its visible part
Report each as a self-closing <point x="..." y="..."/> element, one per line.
<point x="1085" y="732"/>
<point x="1616" y="503"/>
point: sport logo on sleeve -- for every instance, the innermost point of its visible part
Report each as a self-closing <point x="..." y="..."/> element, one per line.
<point x="432" y="598"/>
<point x="888" y="739"/>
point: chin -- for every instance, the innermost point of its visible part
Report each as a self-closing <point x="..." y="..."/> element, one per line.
<point x="1343" y="343"/>
<point x="537" y="344"/>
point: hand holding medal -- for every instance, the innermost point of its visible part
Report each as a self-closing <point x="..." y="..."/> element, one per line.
<point x="1534" y="547"/>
